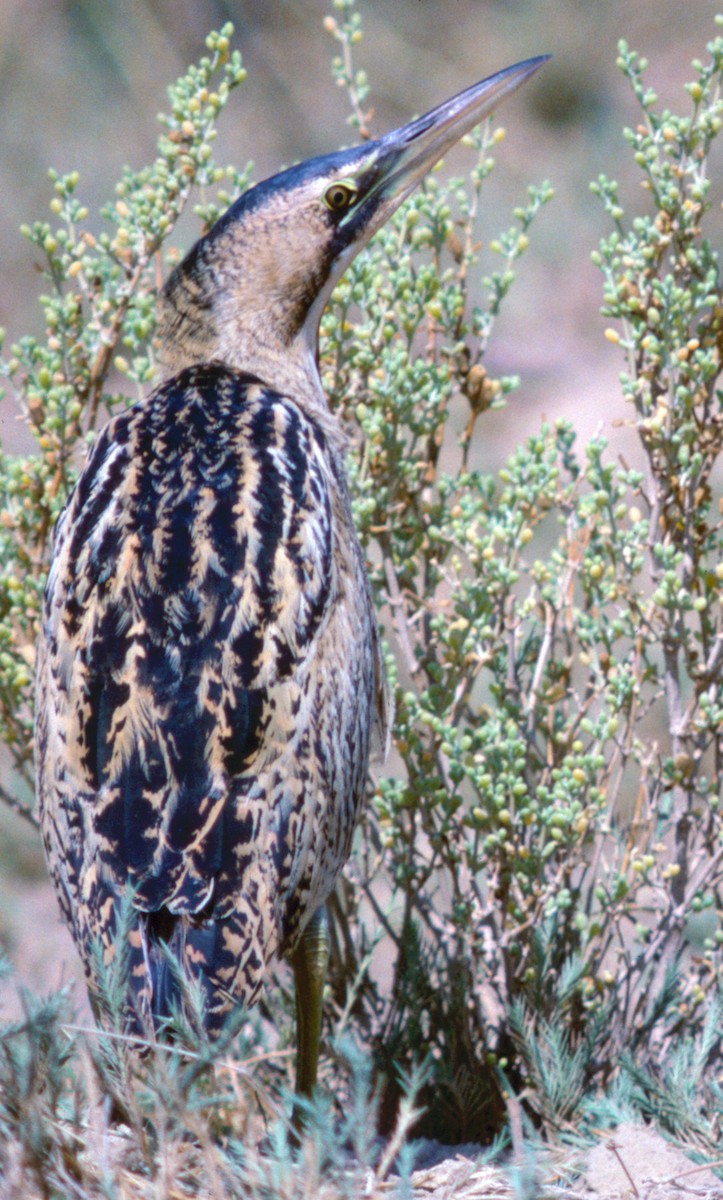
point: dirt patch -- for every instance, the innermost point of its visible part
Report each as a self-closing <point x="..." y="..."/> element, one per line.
<point x="630" y="1162"/>
<point x="634" y="1160"/>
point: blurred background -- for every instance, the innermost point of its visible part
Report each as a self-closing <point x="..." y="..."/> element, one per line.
<point x="82" y="80"/>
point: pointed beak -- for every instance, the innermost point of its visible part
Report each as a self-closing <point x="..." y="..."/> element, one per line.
<point x="416" y="147"/>
<point x="400" y="159"/>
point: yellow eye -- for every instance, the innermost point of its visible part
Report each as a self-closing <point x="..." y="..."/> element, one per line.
<point x="340" y="195"/>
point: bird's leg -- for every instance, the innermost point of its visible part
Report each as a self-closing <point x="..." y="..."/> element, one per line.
<point x="309" y="962"/>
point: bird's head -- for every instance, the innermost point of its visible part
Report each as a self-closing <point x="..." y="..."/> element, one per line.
<point x="252" y="290"/>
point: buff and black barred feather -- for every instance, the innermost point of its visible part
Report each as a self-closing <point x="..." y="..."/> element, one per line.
<point x="208" y="684"/>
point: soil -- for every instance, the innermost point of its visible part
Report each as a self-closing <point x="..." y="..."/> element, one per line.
<point x="630" y="1162"/>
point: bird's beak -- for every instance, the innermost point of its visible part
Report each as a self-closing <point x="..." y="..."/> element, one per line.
<point x="401" y="158"/>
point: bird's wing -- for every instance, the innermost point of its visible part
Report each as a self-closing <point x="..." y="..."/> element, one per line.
<point x="192" y="570"/>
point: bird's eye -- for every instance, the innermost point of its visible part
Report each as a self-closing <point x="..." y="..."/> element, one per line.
<point x="340" y="195"/>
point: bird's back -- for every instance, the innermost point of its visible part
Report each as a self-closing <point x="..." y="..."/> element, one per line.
<point x="208" y="682"/>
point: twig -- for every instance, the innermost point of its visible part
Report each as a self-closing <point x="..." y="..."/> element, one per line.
<point x="540" y="665"/>
<point x="101" y="362"/>
<point x="709" y="1166"/>
<point x="408" y="1115"/>
<point x="613" y="1146"/>
<point x="17" y="806"/>
<point x="234" y="1068"/>
<point x="396" y="603"/>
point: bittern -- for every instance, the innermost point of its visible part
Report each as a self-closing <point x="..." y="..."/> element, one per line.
<point x="209" y="668"/>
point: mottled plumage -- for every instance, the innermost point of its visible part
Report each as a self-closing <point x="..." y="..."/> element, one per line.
<point x="209" y="670"/>
<point x="210" y="676"/>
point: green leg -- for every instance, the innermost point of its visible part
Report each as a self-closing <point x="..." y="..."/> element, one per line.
<point x="309" y="962"/>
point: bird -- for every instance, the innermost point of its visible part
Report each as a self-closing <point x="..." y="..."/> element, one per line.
<point x="210" y="677"/>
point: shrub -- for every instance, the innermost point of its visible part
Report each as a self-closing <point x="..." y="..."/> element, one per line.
<point x="544" y="857"/>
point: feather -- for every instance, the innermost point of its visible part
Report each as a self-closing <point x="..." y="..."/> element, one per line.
<point x="209" y="684"/>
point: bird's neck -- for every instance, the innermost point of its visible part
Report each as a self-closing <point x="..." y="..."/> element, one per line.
<point x="190" y="335"/>
<point x="288" y="368"/>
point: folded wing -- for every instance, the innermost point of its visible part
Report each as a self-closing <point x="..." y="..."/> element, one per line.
<point x="192" y="571"/>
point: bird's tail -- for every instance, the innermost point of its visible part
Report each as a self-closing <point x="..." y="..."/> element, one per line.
<point x="176" y="988"/>
<point x="167" y="974"/>
<point x="194" y="976"/>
